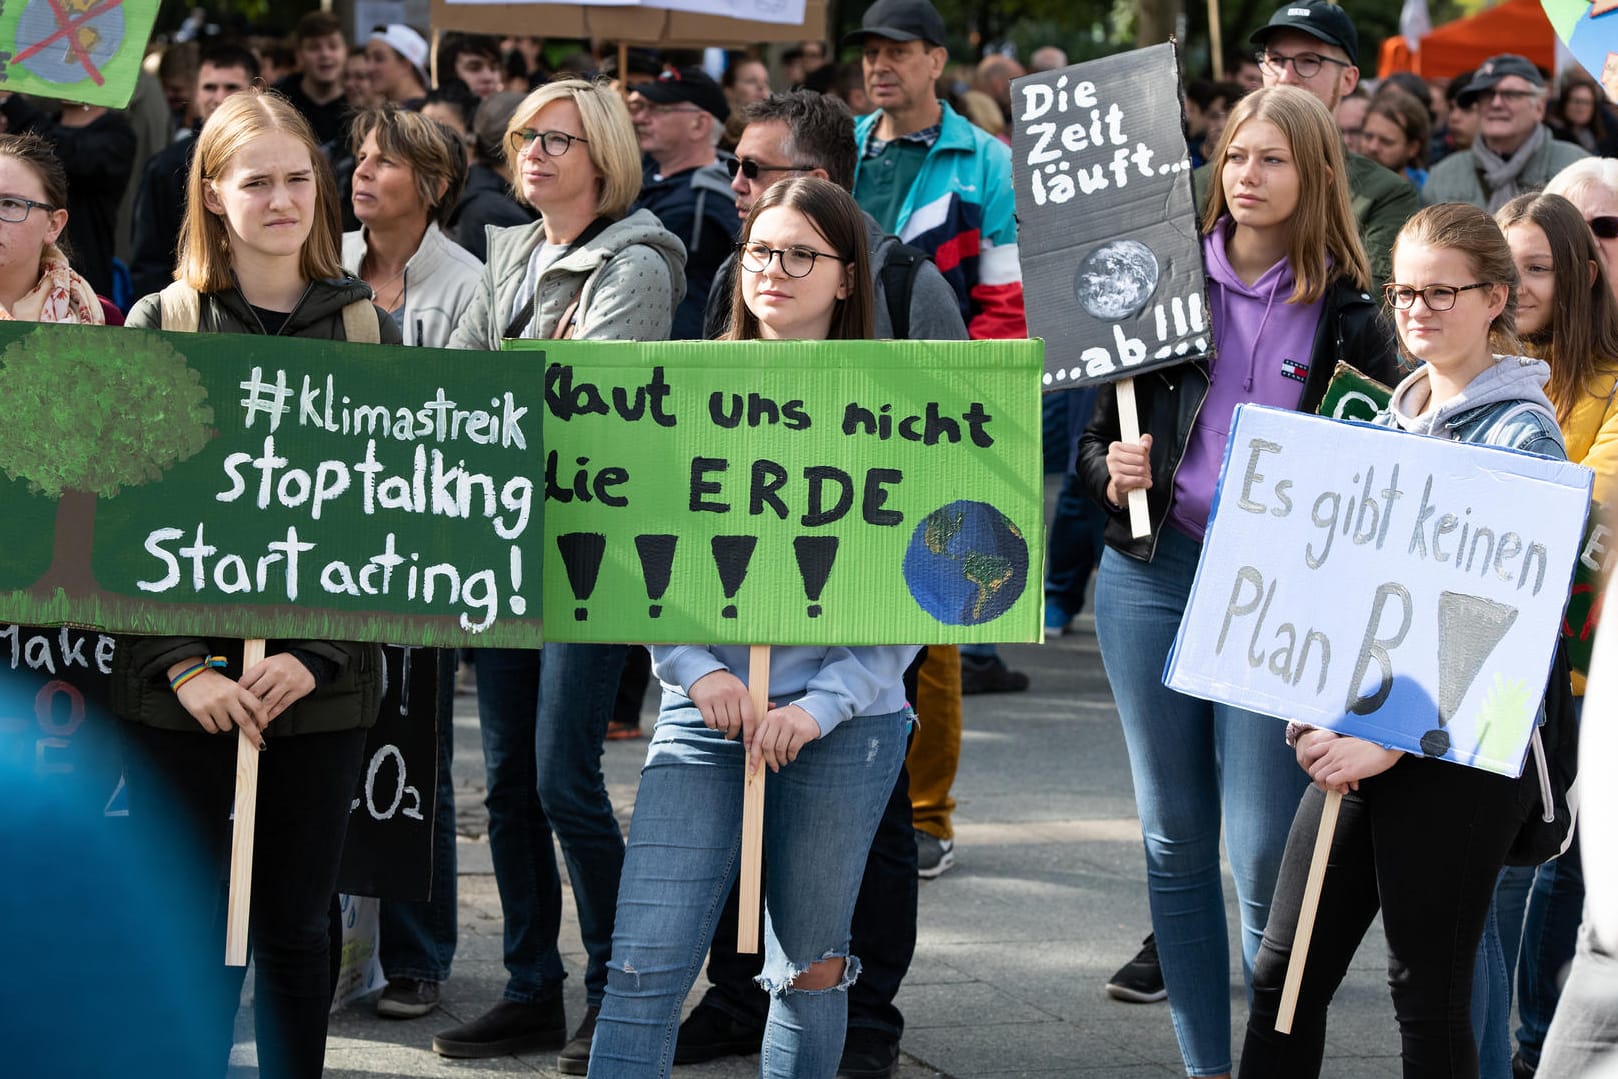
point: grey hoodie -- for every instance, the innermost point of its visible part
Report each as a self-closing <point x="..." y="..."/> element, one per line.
<point x="633" y="298"/>
<point x="1504" y="406"/>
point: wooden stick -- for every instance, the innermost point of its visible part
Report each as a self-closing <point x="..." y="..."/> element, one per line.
<point x="1306" y="916"/>
<point x="1140" y="524"/>
<point x="241" y="839"/>
<point x="1216" y="41"/>
<point x="623" y="65"/>
<point x="752" y="873"/>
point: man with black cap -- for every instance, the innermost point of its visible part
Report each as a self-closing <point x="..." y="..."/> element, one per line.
<point x="1313" y="45"/>
<point x="678" y="118"/>
<point x="1514" y="151"/>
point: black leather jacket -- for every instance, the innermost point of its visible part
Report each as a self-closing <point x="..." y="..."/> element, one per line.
<point x="1351" y="329"/>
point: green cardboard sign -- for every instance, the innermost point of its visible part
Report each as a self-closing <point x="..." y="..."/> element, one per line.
<point x="87" y="51"/>
<point x="268" y="487"/>
<point x="1351" y="395"/>
<point x="835" y="493"/>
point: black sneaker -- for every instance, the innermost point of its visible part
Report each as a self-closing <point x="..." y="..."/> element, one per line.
<point x="933" y="855"/>
<point x="1140" y="981"/>
<point x="990" y="674"/>
<point x="407" y="998"/>
<point x="508" y="1028"/>
<point x="868" y="1054"/>
<point x="1521" y="1069"/>
<point x="574" y="1058"/>
<point x="708" y="1034"/>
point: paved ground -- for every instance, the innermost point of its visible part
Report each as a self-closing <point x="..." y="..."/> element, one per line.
<point x="1046" y="900"/>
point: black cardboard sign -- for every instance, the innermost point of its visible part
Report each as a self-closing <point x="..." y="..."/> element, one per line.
<point x="55" y="723"/>
<point x="1107" y="232"/>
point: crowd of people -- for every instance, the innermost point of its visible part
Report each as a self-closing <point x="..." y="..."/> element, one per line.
<point x="1458" y="241"/>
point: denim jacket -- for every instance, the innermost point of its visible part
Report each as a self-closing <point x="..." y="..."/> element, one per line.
<point x="1504" y="406"/>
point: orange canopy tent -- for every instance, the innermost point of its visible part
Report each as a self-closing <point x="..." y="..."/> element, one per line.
<point x="1518" y="26"/>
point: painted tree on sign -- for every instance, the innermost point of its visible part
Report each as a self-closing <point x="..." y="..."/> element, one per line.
<point x="89" y="413"/>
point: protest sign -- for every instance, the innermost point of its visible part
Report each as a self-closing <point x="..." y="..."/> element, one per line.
<point x="1107" y="231"/>
<point x="1351" y="395"/>
<point x="54" y="720"/>
<point x="792" y="492"/>
<point x="1403" y="589"/>
<point x="1589" y="30"/>
<point x="669" y="24"/>
<point x="86" y="51"/>
<point x="203" y="484"/>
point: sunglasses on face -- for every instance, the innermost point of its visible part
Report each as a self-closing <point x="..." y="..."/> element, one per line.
<point x="1605" y="227"/>
<point x="752" y="169"/>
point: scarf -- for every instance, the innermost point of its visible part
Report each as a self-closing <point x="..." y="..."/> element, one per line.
<point x="60" y="296"/>
<point x="1500" y="174"/>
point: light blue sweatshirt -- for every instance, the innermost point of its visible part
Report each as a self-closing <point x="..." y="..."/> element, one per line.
<point x="831" y="684"/>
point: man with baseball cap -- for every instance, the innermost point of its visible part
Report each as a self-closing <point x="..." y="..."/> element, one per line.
<point x="1514" y="151"/>
<point x="1314" y="46"/>
<point x="678" y="118"/>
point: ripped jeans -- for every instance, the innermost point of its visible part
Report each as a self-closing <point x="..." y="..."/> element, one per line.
<point x="684" y="851"/>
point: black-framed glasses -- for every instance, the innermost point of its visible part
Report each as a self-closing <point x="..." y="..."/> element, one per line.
<point x="1436" y="297"/>
<point x="554" y="143"/>
<point x="751" y="169"/>
<point x="1306" y="64"/>
<point x="1605" y="227"/>
<point x="15" y="208"/>
<point x="795" y="261"/>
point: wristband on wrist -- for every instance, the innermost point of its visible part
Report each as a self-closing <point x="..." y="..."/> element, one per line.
<point x="210" y="662"/>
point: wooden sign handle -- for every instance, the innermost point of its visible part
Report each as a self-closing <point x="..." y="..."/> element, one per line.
<point x="1306" y="915"/>
<point x="1140" y="524"/>
<point x="752" y="873"/>
<point x="241" y="839"/>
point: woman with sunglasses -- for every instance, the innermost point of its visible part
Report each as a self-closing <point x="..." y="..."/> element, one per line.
<point x="833" y="739"/>
<point x="1591" y="185"/>
<point x="1286" y="283"/>
<point x="1567" y="317"/>
<point x="1454" y="302"/>
<point x="587" y="269"/>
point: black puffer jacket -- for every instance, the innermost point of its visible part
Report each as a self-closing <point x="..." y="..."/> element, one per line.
<point x="1351" y="329"/>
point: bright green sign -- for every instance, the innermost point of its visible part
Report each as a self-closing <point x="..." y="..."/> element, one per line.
<point x="268" y="487"/>
<point x="793" y="492"/>
<point x="768" y="493"/>
<point x="87" y="51"/>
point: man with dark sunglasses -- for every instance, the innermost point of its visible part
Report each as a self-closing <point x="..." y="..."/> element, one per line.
<point x="1514" y="152"/>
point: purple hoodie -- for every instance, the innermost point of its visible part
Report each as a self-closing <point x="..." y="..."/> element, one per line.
<point x="1262" y="354"/>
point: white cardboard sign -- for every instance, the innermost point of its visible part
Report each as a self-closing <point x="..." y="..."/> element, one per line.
<point x="1404" y="589"/>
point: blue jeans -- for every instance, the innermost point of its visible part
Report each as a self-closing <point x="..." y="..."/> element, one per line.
<point x="1533" y="930"/>
<point x="1193" y="761"/>
<point x="544" y="725"/>
<point x="417" y="940"/>
<point x="684" y="852"/>
<point x="1072" y="546"/>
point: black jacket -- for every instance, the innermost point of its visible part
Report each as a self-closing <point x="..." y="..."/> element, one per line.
<point x="319" y="313"/>
<point x="486" y="200"/>
<point x="698" y="206"/>
<point x="159" y="212"/>
<point x="1351" y="329"/>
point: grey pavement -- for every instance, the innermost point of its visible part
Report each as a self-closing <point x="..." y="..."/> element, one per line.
<point x="1047" y="899"/>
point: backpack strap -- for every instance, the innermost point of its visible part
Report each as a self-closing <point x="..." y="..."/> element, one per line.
<point x="899" y="271"/>
<point x="179" y="308"/>
<point x="360" y="325"/>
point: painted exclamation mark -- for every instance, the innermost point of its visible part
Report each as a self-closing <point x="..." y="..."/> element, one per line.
<point x="518" y="604"/>
<point x="732" y="554"/>
<point x="1469" y="627"/>
<point x="581" y="556"/>
<point x="656" y="564"/>
<point x="815" y="556"/>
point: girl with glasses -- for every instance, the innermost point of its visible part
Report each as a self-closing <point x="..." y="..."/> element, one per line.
<point x="257" y="255"/>
<point x="587" y="269"/>
<point x="1287" y="283"/>
<point x="833" y="739"/>
<point x="1455" y="306"/>
<point x="1567" y="317"/>
<point x="36" y="282"/>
